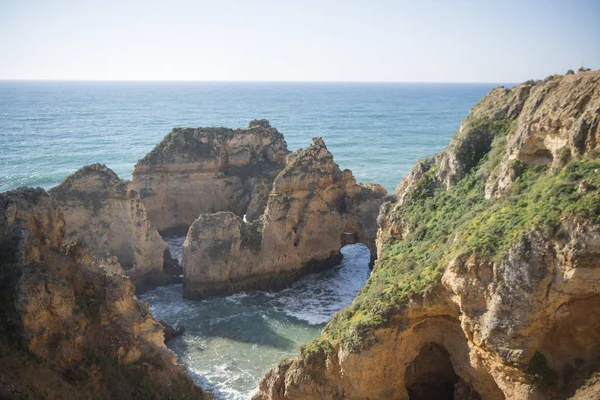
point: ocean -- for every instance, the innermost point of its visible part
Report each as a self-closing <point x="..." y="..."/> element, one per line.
<point x="230" y="342"/>
<point x="378" y="130"/>
<point x="50" y="129"/>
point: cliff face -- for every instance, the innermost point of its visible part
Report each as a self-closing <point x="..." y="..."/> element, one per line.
<point x="206" y="170"/>
<point x="313" y="209"/>
<point x="488" y="278"/>
<point x="71" y="328"/>
<point x="104" y="214"/>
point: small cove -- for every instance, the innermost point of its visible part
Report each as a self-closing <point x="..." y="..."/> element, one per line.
<point x="230" y="342"/>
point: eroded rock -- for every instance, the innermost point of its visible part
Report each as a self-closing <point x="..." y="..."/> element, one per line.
<point x="487" y="283"/>
<point x="559" y="122"/>
<point x="312" y="208"/>
<point x="71" y="327"/>
<point x="171" y="332"/>
<point x="205" y="170"/>
<point x="104" y="214"/>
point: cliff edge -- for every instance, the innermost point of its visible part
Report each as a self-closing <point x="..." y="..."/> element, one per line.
<point x="71" y="328"/>
<point x="104" y="214"/>
<point x="487" y="284"/>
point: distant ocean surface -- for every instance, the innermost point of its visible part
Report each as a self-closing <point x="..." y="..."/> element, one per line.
<point x="378" y="130"/>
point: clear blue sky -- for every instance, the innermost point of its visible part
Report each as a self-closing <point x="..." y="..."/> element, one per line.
<point x="304" y="40"/>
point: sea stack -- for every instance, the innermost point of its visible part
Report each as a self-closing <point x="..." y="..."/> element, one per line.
<point x="313" y="209"/>
<point x="206" y="170"/>
<point x="104" y="214"/>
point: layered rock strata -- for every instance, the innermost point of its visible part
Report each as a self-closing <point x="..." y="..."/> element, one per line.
<point x="206" y="170"/>
<point x="104" y="214"/>
<point x="70" y="327"/>
<point x="487" y="283"/>
<point x="314" y="208"/>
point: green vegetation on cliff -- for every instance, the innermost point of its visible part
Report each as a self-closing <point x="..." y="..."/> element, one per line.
<point x="443" y="224"/>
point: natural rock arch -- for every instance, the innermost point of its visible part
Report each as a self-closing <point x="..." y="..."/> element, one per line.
<point x="312" y="204"/>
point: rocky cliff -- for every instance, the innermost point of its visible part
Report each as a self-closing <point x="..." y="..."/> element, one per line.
<point x="206" y="170"/>
<point x="70" y="327"/>
<point x="313" y="209"/>
<point x="104" y="214"/>
<point x="488" y="278"/>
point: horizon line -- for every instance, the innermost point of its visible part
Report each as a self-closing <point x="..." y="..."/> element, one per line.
<point x="245" y="81"/>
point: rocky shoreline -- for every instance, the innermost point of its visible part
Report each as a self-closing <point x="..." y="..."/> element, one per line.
<point x="486" y="284"/>
<point x="74" y="256"/>
<point x="71" y="326"/>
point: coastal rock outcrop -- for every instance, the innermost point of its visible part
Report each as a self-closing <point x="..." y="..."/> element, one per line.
<point x="70" y="327"/>
<point x="487" y="283"/>
<point x="104" y="214"/>
<point x="558" y="123"/>
<point x="206" y="170"/>
<point x="313" y="209"/>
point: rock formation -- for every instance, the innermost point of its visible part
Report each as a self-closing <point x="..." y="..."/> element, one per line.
<point x="313" y="209"/>
<point x="487" y="284"/>
<point x="206" y="170"/>
<point x="70" y="327"/>
<point x="104" y="214"/>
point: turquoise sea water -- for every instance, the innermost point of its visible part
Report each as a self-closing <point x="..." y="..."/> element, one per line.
<point x="230" y="342"/>
<point x="50" y="129"/>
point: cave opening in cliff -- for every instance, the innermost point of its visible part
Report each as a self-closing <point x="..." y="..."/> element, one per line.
<point x="431" y="377"/>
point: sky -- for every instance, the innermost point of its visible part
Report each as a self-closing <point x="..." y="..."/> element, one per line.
<point x="304" y="40"/>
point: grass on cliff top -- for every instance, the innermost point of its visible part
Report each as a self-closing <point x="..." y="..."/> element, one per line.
<point x="461" y="221"/>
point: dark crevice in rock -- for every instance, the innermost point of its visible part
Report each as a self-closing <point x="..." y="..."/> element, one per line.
<point x="431" y="377"/>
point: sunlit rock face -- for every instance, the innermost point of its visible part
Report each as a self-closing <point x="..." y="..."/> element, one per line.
<point x="312" y="210"/>
<point x="104" y="214"/>
<point x="487" y="284"/>
<point x="205" y="170"/>
<point x="71" y="325"/>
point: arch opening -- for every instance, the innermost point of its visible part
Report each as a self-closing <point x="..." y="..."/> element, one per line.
<point x="348" y="238"/>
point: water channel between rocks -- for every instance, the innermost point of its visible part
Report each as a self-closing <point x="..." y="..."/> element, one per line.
<point x="230" y="342"/>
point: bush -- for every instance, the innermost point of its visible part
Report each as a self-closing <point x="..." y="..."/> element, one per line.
<point x="460" y="221"/>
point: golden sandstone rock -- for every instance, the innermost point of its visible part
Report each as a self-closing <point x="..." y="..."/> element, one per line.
<point x="103" y="213"/>
<point x="206" y="170"/>
<point x="71" y="327"/>
<point x="312" y="207"/>
<point x="486" y="286"/>
<point x="487" y="283"/>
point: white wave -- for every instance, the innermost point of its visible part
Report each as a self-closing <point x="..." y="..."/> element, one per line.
<point x="175" y="245"/>
<point x="230" y="342"/>
<point x="316" y="298"/>
<point x="237" y="296"/>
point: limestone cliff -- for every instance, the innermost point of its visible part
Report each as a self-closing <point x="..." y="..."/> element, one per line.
<point x="205" y="170"/>
<point x="487" y="283"/>
<point x="70" y="327"/>
<point x="313" y="209"/>
<point x="104" y="214"/>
